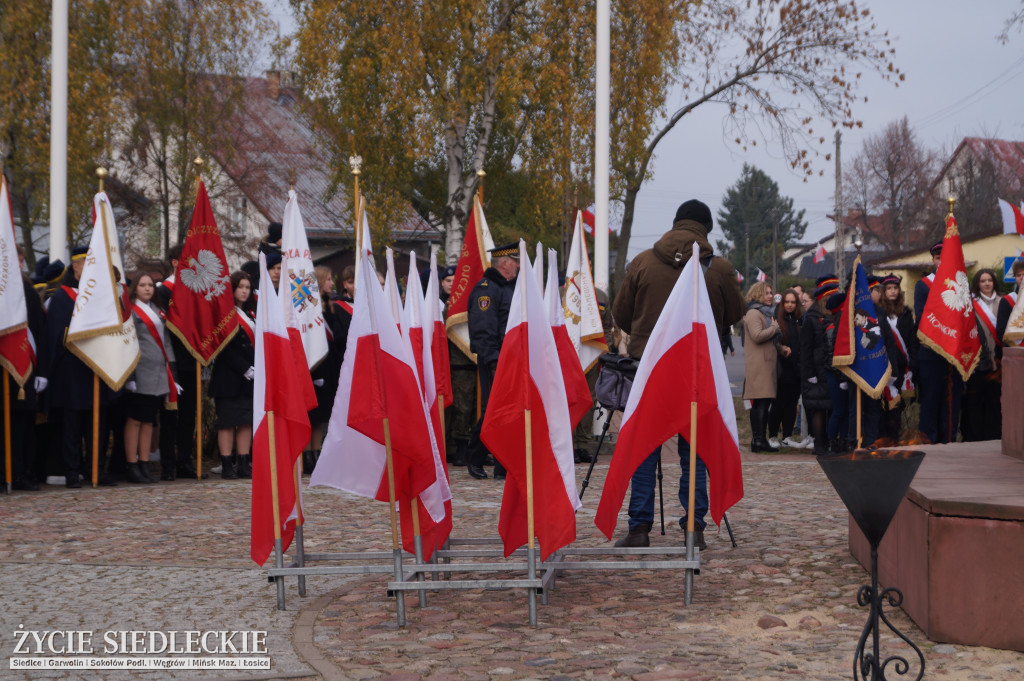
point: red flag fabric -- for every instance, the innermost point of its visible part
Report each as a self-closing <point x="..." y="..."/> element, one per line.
<point x="16" y="354"/>
<point x="277" y="395"/>
<point x="202" y="308"/>
<point x="947" y="323"/>
<point x="473" y="260"/>
<point x="529" y="377"/>
<point x="683" y="362"/>
<point x="577" y="390"/>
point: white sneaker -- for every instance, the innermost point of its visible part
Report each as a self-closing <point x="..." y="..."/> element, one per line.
<point x="773" y="442"/>
<point x="808" y="443"/>
<point x="789" y="442"/>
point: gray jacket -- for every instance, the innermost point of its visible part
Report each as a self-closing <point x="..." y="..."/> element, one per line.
<point x="151" y="373"/>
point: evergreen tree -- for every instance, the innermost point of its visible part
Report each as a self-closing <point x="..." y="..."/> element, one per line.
<point x="752" y="209"/>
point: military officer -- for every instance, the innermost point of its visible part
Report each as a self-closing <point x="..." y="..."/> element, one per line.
<point x="488" y="307"/>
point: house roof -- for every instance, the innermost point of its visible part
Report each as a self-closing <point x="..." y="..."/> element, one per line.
<point x="1008" y="156"/>
<point x="273" y="139"/>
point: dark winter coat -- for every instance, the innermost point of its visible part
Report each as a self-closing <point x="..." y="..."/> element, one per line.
<point x="789" y="367"/>
<point x="488" y="307"/>
<point x="653" y="273"/>
<point x="228" y="376"/>
<point x="815" y="361"/>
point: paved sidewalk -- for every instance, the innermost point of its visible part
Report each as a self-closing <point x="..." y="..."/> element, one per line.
<point x="175" y="556"/>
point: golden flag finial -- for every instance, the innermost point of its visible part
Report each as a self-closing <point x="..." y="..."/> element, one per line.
<point x="101" y="173"/>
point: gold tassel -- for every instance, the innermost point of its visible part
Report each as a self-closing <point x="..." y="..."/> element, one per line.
<point x="21" y="392"/>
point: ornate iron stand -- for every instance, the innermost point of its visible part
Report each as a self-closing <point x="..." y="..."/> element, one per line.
<point x="872" y="485"/>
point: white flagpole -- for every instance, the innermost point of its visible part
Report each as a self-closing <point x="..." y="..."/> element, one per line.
<point x="59" y="133"/>
<point x="601" y="145"/>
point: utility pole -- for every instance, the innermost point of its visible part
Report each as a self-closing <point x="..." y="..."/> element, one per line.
<point x="775" y="250"/>
<point x="840" y="227"/>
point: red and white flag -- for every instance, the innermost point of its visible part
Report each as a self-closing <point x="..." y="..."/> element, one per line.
<point x="682" y="363"/>
<point x="303" y="291"/>
<point x="761" y="276"/>
<point x="437" y="498"/>
<point x="378" y="370"/>
<point x="819" y="253"/>
<point x="947" y="323"/>
<point x="529" y="377"/>
<point x="576" y="389"/>
<point x="587" y="217"/>
<point x="473" y="261"/>
<point x="581" y="312"/>
<point x="1013" y="218"/>
<point x="102" y="331"/>
<point x="433" y="317"/>
<point x="739" y="277"/>
<point x="293" y="323"/>
<point x="202" y="308"/>
<point x="278" y="406"/>
<point x="16" y="352"/>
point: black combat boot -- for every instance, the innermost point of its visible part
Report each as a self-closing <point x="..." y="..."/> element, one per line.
<point x="637" y="537"/>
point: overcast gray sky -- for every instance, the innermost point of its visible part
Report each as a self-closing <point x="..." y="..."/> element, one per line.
<point x="960" y="82"/>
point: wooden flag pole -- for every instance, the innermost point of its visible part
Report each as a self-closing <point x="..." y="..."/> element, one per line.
<point x="275" y="511"/>
<point x="447" y="541"/>
<point x="199" y="420"/>
<point x="300" y="548"/>
<point x="691" y="492"/>
<point x="480" y="185"/>
<point x="7" y="433"/>
<point x="858" y="419"/>
<point x="95" y="430"/>
<point x="531" y="549"/>
<point x="396" y="548"/>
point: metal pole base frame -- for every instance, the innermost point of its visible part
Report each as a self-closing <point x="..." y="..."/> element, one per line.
<point x="436" y="574"/>
<point x="867" y="662"/>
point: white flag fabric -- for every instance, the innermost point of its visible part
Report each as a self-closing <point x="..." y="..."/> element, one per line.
<point x="102" y="332"/>
<point x="761" y="276"/>
<point x="13" y="313"/>
<point x="538" y="267"/>
<point x="304" y="289"/>
<point x="1013" y="218"/>
<point x="579" y="303"/>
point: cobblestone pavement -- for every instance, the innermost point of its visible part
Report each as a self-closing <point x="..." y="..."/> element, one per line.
<point x="175" y="556"/>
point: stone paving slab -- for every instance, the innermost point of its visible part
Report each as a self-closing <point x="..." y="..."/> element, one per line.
<point x="175" y="556"/>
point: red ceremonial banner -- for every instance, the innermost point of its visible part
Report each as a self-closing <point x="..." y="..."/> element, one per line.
<point x="202" y="308"/>
<point x="469" y="270"/>
<point x="947" y="323"/>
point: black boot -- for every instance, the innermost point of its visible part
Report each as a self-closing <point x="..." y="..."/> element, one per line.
<point x="135" y="474"/>
<point x="759" y="424"/>
<point x="245" y="467"/>
<point x="637" y="537"/>
<point x="309" y="459"/>
<point x="227" y="468"/>
<point x="146" y="473"/>
<point x="187" y="469"/>
<point x="459" y="457"/>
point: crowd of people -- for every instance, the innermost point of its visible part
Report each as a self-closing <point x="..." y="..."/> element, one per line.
<point x="787" y="341"/>
<point x="788" y="345"/>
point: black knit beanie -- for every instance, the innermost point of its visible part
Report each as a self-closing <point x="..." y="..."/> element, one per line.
<point x="697" y="211"/>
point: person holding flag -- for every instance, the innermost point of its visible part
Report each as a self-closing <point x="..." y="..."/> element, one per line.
<point x="638" y="307"/>
<point x="982" y="410"/>
<point x="1010" y="304"/>
<point x="949" y="338"/>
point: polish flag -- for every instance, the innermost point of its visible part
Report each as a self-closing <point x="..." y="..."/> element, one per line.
<point x="433" y="317"/>
<point x="682" y="363"/>
<point x="576" y="388"/>
<point x="378" y="369"/>
<point x="473" y="261"/>
<point x="761" y="276"/>
<point x="739" y="277"/>
<point x="303" y="290"/>
<point x="529" y="378"/>
<point x="1013" y="218"/>
<point x="587" y="217"/>
<point x="277" y="406"/>
<point x="365" y="242"/>
<point x="294" y="325"/>
<point x="16" y="353"/>
<point x="437" y="498"/>
<point x="819" y="254"/>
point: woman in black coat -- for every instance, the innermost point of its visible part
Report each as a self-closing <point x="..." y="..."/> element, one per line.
<point x="787" y="393"/>
<point x="231" y="387"/>
<point x="815" y="362"/>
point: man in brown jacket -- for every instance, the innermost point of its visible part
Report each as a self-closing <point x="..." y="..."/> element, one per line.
<point x="644" y="292"/>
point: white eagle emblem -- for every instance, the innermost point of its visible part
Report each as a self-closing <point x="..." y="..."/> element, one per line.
<point x="205" y="274"/>
<point x="958" y="296"/>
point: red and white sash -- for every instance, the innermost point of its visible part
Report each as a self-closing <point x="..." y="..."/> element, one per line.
<point x="247" y="325"/>
<point x="155" y="326"/>
<point x="1012" y="297"/>
<point x="908" y="378"/>
<point x="928" y="280"/>
<point x="987" y="316"/>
